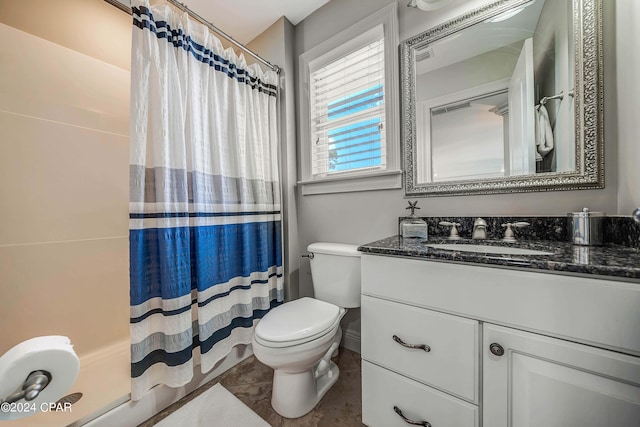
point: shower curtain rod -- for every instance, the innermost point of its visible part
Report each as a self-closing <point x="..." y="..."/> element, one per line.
<point x="209" y="25"/>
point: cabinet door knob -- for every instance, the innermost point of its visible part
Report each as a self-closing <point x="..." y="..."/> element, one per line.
<point x="496" y="349"/>
<point x="412" y="422"/>
<point x="413" y="346"/>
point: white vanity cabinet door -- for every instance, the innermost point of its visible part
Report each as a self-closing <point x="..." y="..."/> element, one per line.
<point x="542" y="381"/>
<point x="452" y="362"/>
<point x="382" y="390"/>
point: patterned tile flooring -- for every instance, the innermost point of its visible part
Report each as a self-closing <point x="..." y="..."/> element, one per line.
<point x="250" y="381"/>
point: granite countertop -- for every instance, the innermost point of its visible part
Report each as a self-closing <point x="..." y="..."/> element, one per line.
<point x="614" y="261"/>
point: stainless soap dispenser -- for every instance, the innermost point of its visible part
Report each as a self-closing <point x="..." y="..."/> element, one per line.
<point x="413" y="227"/>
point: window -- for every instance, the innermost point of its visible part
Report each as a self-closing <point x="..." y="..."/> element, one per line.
<point x="347" y="112"/>
<point x="349" y="109"/>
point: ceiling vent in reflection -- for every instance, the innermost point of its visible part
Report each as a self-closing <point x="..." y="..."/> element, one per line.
<point x="424" y="54"/>
<point x="450" y="107"/>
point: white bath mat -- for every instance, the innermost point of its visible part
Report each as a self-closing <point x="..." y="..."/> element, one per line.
<point x="216" y="407"/>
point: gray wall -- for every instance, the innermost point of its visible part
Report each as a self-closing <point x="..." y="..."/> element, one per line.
<point x="276" y="46"/>
<point x="362" y="217"/>
<point x="624" y="117"/>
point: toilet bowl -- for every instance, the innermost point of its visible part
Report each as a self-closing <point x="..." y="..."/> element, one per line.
<point x="298" y="338"/>
<point x="303" y="371"/>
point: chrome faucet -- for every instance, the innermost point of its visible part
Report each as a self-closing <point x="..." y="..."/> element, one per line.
<point x="479" y="229"/>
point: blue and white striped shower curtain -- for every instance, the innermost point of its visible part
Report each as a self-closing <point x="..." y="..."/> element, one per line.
<point x="205" y="238"/>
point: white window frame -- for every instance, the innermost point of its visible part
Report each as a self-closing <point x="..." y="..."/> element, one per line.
<point x="334" y="48"/>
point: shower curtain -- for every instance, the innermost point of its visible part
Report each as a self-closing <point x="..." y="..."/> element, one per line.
<point x="204" y="228"/>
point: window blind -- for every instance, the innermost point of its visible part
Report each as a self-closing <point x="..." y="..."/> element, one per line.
<point x="347" y="112"/>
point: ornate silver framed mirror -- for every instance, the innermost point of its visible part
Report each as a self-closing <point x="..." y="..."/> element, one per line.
<point x="506" y="98"/>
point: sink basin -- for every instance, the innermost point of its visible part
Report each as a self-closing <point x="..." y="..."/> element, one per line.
<point x="484" y="249"/>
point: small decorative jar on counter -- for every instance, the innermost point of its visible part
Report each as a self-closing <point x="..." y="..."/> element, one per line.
<point x="585" y="228"/>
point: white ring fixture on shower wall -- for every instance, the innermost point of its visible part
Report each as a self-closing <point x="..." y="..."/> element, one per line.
<point x="429" y="5"/>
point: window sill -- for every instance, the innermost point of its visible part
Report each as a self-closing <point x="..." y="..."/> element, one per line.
<point x="344" y="184"/>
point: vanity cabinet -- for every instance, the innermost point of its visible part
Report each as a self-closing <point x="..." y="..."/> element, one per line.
<point x="434" y="348"/>
<point x="448" y="344"/>
<point x="543" y="381"/>
<point x="385" y="392"/>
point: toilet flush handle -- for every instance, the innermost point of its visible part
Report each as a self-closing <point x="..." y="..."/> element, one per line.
<point x="308" y="255"/>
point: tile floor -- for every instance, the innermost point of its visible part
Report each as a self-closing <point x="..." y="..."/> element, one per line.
<point x="250" y="381"/>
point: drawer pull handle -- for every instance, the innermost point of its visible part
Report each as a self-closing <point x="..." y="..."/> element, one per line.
<point x="414" y="346"/>
<point x="408" y="421"/>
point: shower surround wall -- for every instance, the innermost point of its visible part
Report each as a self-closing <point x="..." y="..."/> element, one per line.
<point x="64" y="115"/>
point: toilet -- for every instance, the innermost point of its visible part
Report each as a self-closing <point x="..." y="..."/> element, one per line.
<point x="298" y="338"/>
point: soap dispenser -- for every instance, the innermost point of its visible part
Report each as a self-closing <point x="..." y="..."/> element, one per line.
<point x="413" y="227"/>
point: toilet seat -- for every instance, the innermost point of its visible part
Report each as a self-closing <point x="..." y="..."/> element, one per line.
<point x="298" y="322"/>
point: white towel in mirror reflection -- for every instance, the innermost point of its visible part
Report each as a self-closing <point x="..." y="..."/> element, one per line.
<point x="544" y="133"/>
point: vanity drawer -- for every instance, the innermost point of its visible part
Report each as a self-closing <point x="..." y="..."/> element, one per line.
<point x="383" y="389"/>
<point x="451" y="364"/>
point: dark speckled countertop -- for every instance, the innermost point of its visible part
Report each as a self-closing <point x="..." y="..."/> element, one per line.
<point x="614" y="261"/>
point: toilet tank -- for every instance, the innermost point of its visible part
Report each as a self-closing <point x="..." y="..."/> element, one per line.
<point x="335" y="270"/>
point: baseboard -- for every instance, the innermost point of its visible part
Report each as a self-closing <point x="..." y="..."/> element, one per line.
<point x="351" y="340"/>
<point x="131" y="414"/>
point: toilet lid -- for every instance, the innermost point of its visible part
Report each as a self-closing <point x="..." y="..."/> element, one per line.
<point x="304" y="318"/>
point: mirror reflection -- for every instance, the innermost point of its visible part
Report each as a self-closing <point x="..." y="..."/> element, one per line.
<point x="496" y="98"/>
